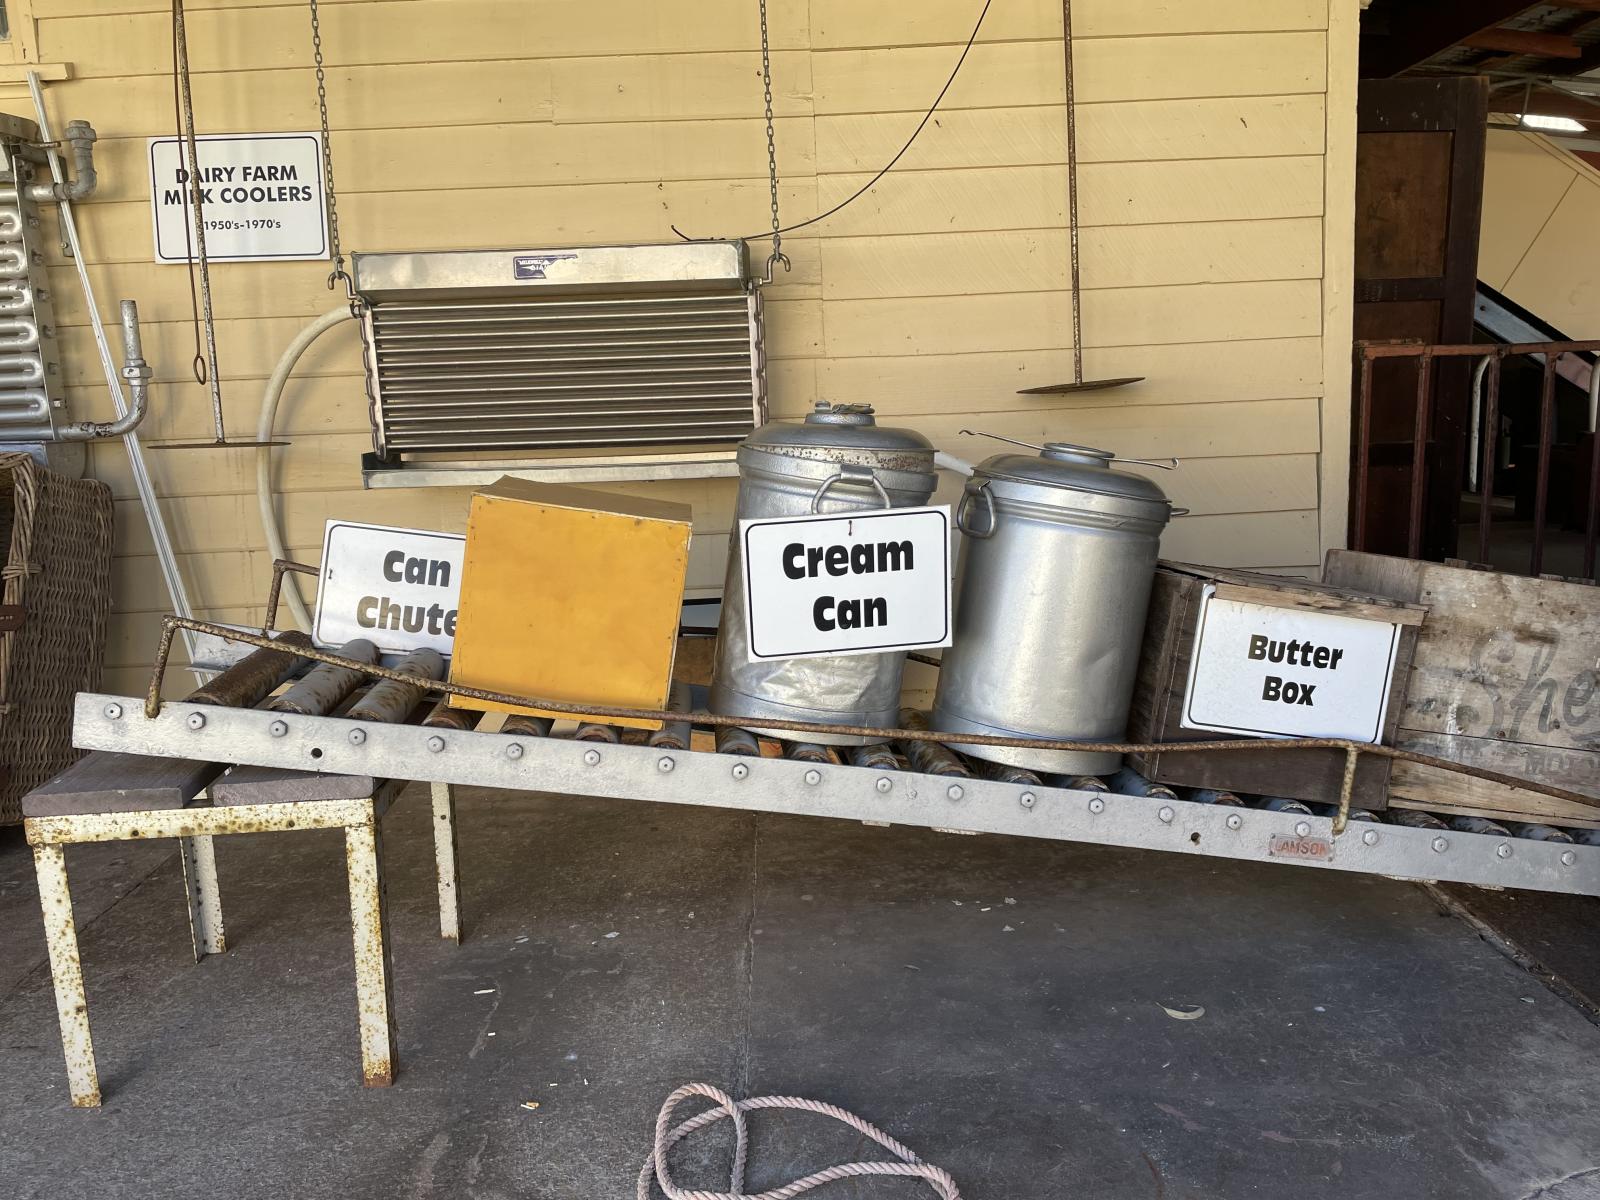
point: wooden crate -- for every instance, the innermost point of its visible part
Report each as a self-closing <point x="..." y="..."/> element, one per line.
<point x="1159" y="694"/>
<point x="1506" y="676"/>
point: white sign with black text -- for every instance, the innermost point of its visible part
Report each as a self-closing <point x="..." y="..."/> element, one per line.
<point x="398" y="588"/>
<point x="1269" y="671"/>
<point x="851" y="583"/>
<point x="261" y="194"/>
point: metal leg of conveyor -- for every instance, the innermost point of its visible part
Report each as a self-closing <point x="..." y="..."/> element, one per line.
<point x="205" y="900"/>
<point x="447" y="861"/>
<point x="363" y="846"/>
<point x="66" y="970"/>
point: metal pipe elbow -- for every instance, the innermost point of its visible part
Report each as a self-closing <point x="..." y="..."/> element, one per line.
<point x="136" y="372"/>
<point x="80" y="137"/>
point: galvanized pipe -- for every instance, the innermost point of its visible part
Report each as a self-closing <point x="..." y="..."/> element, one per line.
<point x="527" y="725"/>
<point x="445" y="715"/>
<point x="396" y="693"/>
<point x="674" y="735"/>
<point x="253" y="678"/>
<point x="733" y="740"/>
<point x="875" y="757"/>
<point x="325" y="687"/>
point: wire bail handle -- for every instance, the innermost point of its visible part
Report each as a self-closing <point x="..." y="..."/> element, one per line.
<point x="1167" y="464"/>
<point x="976" y="489"/>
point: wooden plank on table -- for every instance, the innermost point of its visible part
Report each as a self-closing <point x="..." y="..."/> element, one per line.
<point x="279" y="785"/>
<point x="106" y="782"/>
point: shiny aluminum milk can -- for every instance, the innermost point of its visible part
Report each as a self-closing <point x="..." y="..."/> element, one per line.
<point x="1055" y="575"/>
<point x="838" y="460"/>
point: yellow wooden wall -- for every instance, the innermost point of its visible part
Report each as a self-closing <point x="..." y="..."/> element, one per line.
<point x="1537" y="244"/>
<point x="1216" y="139"/>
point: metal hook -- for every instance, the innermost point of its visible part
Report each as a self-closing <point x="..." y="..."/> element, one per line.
<point x="773" y="259"/>
<point x="1171" y="464"/>
<point x="1000" y="438"/>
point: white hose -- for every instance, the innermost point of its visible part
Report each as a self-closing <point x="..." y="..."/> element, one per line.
<point x="269" y="414"/>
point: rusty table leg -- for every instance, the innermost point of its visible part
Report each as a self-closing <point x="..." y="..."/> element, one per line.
<point x="444" y="853"/>
<point x="205" y="901"/>
<point x="374" y="975"/>
<point x="66" y="969"/>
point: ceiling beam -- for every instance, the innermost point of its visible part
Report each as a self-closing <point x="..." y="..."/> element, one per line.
<point x="1545" y="102"/>
<point x="1518" y="41"/>
<point x="1397" y="36"/>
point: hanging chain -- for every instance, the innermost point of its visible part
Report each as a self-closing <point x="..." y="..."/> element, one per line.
<point x="777" y="256"/>
<point x="338" y="272"/>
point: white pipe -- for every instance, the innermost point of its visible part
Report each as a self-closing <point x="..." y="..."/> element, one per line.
<point x="1594" y="398"/>
<point x="269" y="414"/>
<point x="176" y="592"/>
<point x="1475" y="425"/>
<point x="949" y="462"/>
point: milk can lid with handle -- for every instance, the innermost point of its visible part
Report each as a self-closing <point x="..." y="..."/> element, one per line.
<point x="837" y="433"/>
<point x="1062" y="471"/>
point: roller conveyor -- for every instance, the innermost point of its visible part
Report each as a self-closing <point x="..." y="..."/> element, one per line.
<point x="928" y="784"/>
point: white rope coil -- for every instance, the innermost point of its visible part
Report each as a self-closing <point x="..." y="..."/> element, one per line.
<point x="655" y="1167"/>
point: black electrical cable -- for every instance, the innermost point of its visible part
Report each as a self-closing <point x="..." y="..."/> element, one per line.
<point x="866" y="187"/>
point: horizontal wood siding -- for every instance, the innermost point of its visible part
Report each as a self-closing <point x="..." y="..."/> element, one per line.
<point x="1203" y="134"/>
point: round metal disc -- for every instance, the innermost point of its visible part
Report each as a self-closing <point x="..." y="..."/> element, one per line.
<point x="212" y="445"/>
<point x="1087" y="385"/>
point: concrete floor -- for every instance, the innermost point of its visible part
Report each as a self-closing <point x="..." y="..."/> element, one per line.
<point x="995" y="1003"/>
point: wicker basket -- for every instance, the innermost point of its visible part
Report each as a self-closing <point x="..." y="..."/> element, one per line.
<point x="56" y="594"/>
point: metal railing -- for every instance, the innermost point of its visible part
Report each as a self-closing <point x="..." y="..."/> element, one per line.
<point x="1485" y="417"/>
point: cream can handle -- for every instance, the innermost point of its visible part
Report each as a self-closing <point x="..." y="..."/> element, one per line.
<point x="850" y="473"/>
<point x="968" y="494"/>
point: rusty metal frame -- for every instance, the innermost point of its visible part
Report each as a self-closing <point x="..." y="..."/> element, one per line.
<point x="1426" y="357"/>
<point x="194" y="828"/>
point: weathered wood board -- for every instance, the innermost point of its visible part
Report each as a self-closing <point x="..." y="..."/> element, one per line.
<point x="1506" y="676"/>
<point x="1158" y="698"/>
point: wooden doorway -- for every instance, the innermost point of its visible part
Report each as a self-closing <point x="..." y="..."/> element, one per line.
<point x="1419" y="192"/>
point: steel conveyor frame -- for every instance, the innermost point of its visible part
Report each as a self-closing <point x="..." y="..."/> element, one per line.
<point x="781" y="785"/>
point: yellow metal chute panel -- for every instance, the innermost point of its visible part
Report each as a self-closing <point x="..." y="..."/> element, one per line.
<point x="571" y="595"/>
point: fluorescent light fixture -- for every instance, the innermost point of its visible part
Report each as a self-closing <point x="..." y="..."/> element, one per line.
<point x="1553" y="124"/>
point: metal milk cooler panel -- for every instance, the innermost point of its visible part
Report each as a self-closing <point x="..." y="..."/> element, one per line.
<point x="838" y="460"/>
<point x="1052" y="587"/>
